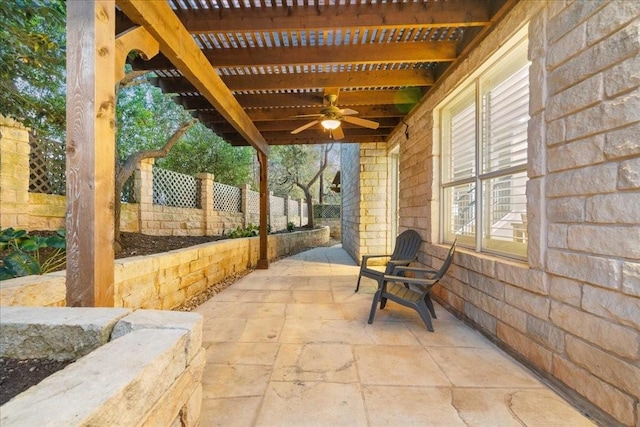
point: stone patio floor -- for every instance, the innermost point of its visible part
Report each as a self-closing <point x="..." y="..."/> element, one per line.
<point x="290" y="346"/>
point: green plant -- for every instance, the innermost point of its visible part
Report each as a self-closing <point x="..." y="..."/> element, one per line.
<point x="249" y="231"/>
<point x="290" y="226"/>
<point x="25" y="254"/>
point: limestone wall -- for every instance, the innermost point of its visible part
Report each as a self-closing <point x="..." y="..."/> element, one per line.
<point x="572" y="310"/>
<point x="157" y="354"/>
<point x="21" y="209"/>
<point x="164" y="281"/>
<point x="366" y="213"/>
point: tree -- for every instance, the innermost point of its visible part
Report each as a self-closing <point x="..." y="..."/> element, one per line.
<point x="294" y="165"/>
<point x="201" y="150"/>
<point x="32" y="64"/>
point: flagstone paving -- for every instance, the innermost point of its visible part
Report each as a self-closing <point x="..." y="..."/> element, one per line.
<point x="290" y="346"/>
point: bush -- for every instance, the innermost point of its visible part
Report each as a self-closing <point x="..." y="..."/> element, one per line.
<point x="24" y="255"/>
<point x="290" y="226"/>
<point x="250" y="231"/>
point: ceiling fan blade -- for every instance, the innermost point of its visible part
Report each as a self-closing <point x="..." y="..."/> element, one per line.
<point x="348" y="112"/>
<point x="303" y="127"/>
<point x="306" y="116"/>
<point x="361" y="122"/>
<point x="337" y="133"/>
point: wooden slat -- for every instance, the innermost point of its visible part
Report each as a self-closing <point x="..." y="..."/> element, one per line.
<point x="293" y="18"/>
<point x="90" y="153"/>
<point x="178" y="46"/>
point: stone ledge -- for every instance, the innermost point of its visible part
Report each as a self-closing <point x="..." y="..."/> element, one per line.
<point x="149" y="373"/>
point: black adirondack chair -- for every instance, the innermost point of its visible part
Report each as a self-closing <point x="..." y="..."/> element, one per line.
<point x="407" y="245"/>
<point x="412" y="292"/>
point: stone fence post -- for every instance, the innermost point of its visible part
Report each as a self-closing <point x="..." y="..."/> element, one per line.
<point x="286" y="210"/>
<point x="144" y="194"/>
<point x="14" y="174"/>
<point x="244" y="190"/>
<point x="206" y="202"/>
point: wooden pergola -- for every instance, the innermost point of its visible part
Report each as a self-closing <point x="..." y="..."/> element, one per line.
<point x="247" y="70"/>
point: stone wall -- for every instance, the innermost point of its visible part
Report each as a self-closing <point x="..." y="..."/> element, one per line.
<point x="21" y="209"/>
<point x="350" y="198"/>
<point x="157" y="354"/>
<point x="164" y="281"/>
<point x="572" y="310"/>
<point x="366" y="213"/>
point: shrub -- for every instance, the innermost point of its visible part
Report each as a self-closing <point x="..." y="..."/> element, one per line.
<point x="290" y="226"/>
<point x="24" y="255"/>
<point x="249" y="231"/>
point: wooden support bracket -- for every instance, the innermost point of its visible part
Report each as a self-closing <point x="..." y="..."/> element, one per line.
<point x="137" y="39"/>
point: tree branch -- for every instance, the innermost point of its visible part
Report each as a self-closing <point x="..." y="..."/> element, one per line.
<point x="129" y="165"/>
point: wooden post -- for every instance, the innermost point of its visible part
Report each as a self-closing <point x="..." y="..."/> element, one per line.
<point x="90" y="152"/>
<point x="263" y="260"/>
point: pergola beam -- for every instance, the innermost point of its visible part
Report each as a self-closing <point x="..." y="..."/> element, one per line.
<point x="177" y="45"/>
<point x="288" y="125"/>
<point x="283" y="81"/>
<point x="405" y="52"/>
<point x="460" y="13"/>
<point x="267" y="114"/>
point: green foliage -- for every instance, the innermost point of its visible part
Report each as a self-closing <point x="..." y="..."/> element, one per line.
<point x="290" y="226"/>
<point x="32" y="54"/>
<point x="146" y="118"/>
<point x="24" y="253"/>
<point x="201" y="150"/>
<point x="249" y="231"/>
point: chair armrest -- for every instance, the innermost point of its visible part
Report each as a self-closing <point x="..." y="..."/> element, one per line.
<point x="366" y="258"/>
<point x="401" y="262"/>
<point x="420" y="270"/>
<point x="423" y="284"/>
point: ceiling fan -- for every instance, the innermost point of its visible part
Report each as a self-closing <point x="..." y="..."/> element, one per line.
<point x="331" y="116"/>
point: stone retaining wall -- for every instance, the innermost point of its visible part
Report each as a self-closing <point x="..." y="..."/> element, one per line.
<point x="131" y="368"/>
<point x="166" y="280"/>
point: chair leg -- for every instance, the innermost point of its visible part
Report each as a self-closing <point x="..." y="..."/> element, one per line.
<point x="424" y="314"/>
<point x="427" y="300"/>
<point x="358" y="284"/>
<point x="374" y="305"/>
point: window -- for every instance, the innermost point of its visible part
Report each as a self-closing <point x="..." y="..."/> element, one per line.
<point x="484" y="157"/>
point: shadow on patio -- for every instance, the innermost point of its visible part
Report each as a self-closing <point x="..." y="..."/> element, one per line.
<point x="291" y="346"/>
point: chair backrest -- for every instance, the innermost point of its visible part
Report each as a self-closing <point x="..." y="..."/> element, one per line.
<point x="407" y="245"/>
<point x="447" y="261"/>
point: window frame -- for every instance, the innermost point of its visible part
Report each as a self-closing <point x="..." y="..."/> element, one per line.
<point x="504" y="64"/>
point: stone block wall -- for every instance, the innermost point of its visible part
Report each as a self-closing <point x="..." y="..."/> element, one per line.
<point x="14" y="177"/>
<point x="350" y="194"/>
<point x="21" y="209"/>
<point x="366" y="213"/>
<point x="165" y="281"/>
<point x="572" y="310"/>
<point x="157" y="354"/>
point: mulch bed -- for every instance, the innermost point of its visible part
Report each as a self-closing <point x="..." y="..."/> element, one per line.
<point x="18" y="375"/>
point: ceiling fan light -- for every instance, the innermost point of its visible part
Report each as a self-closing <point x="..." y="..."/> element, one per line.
<point x="330" y="124"/>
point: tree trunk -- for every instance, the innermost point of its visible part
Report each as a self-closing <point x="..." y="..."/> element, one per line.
<point x="128" y="167"/>
<point x="309" y="200"/>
